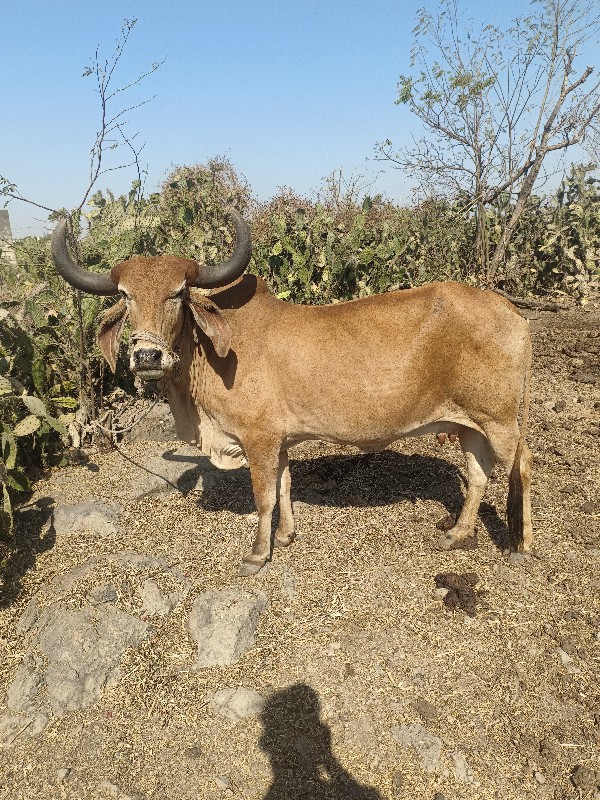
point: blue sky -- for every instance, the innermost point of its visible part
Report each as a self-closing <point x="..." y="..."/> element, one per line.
<point x="287" y="90"/>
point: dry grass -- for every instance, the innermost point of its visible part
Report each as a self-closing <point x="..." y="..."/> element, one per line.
<point x="355" y="646"/>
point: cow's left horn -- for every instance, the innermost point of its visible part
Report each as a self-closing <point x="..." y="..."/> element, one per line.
<point x="91" y="282"/>
<point x="211" y="277"/>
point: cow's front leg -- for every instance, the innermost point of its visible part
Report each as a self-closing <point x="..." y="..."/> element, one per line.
<point x="284" y="535"/>
<point x="263" y="460"/>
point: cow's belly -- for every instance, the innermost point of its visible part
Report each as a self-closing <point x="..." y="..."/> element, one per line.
<point x="376" y="440"/>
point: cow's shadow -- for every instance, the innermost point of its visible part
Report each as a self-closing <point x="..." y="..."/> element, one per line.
<point x="374" y="479"/>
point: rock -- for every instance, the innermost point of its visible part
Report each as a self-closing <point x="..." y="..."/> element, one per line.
<point x="427" y="746"/>
<point x="397" y="784"/>
<point x="16" y="726"/>
<point x="108" y="789"/>
<point x="154" y="602"/>
<point x="223" y="622"/>
<point x="581" y="376"/>
<point x="83" y="649"/>
<point x="74" y="650"/>
<point x="103" y="593"/>
<point x="180" y="469"/>
<point x="585" y="778"/>
<point x="461" y="770"/>
<point x="92" y="516"/>
<point x="590" y="507"/>
<point x="222" y="782"/>
<point x="63" y="774"/>
<point x="157" y="425"/>
<point x="288" y="583"/>
<point x="236" y="703"/>
<point x="427" y="711"/>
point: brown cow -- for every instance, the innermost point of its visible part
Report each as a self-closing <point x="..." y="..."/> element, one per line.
<point x="247" y="376"/>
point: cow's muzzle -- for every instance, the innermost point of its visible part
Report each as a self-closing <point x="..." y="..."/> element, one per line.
<point x="151" y="357"/>
<point x="147" y="363"/>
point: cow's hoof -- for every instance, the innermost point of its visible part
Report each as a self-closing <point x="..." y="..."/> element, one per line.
<point x="449" y="542"/>
<point x="285" y="541"/>
<point x="248" y="568"/>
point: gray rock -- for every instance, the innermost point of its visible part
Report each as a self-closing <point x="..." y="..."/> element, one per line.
<point x="74" y="653"/>
<point x="103" y="593"/>
<point x="83" y="650"/>
<point x="427" y="746"/>
<point x="461" y="770"/>
<point x="223" y="623"/>
<point x="154" y="602"/>
<point x="16" y="726"/>
<point x="92" y="516"/>
<point x="28" y="617"/>
<point x="236" y="703"/>
<point x="180" y="469"/>
<point x="157" y="425"/>
<point x="426" y="710"/>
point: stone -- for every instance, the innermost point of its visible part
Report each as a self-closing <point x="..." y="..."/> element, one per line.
<point x="223" y="623"/>
<point x="427" y="711"/>
<point x="155" y="425"/>
<point x="398" y="784"/>
<point x="427" y="746"/>
<point x="590" y="507"/>
<point x="108" y="789"/>
<point x="103" y="593"/>
<point x="180" y="469"/>
<point x="91" y="516"/>
<point x="15" y="726"/>
<point x="154" y="602"/>
<point x="585" y="778"/>
<point x="74" y="651"/>
<point x="236" y="703"/>
<point x="83" y="649"/>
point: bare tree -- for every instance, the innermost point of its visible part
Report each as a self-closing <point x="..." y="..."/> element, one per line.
<point x="112" y="135"/>
<point x="494" y="104"/>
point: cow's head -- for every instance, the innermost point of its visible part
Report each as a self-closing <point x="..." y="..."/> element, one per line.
<point x="155" y="294"/>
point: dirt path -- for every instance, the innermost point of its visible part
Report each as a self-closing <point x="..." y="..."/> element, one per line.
<point x="370" y="686"/>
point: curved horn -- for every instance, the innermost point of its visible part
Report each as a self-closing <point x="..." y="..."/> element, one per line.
<point x="91" y="282"/>
<point x="221" y="274"/>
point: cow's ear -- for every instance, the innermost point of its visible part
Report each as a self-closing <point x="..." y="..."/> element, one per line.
<point x="110" y="330"/>
<point x="208" y="317"/>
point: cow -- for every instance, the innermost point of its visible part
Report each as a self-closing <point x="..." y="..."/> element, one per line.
<point x="248" y="375"/>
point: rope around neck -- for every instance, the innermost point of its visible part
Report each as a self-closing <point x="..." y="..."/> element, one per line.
<point x="154" y="338"/>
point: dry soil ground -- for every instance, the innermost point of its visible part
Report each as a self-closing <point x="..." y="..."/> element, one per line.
<point x="373" y="687"/>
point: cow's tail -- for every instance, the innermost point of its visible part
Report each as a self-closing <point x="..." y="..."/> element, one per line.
<point x="514" y="504"/>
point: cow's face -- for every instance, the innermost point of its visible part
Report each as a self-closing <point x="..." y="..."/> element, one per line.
<point x="154" y="291"/>
<point x="155" y="294"/>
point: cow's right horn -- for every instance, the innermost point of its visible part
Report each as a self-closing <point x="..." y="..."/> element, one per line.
<point x="91" y="282"/>
<point x="211" y="277"/>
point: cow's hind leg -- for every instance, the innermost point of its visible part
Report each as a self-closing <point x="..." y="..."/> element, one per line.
<point x="504" y="441"/>
<point x="480" y="462"/>
<point x="284" y="535"/>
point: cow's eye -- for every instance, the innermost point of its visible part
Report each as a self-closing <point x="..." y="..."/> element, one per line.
<point x="123" y="294"/>
<point x="178" y="295"/>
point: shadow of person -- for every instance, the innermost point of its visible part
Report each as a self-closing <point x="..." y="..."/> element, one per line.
<point x="298" y="745"/>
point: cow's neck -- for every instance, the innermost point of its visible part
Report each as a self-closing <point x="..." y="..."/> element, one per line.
<point x="183" y="387"/>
